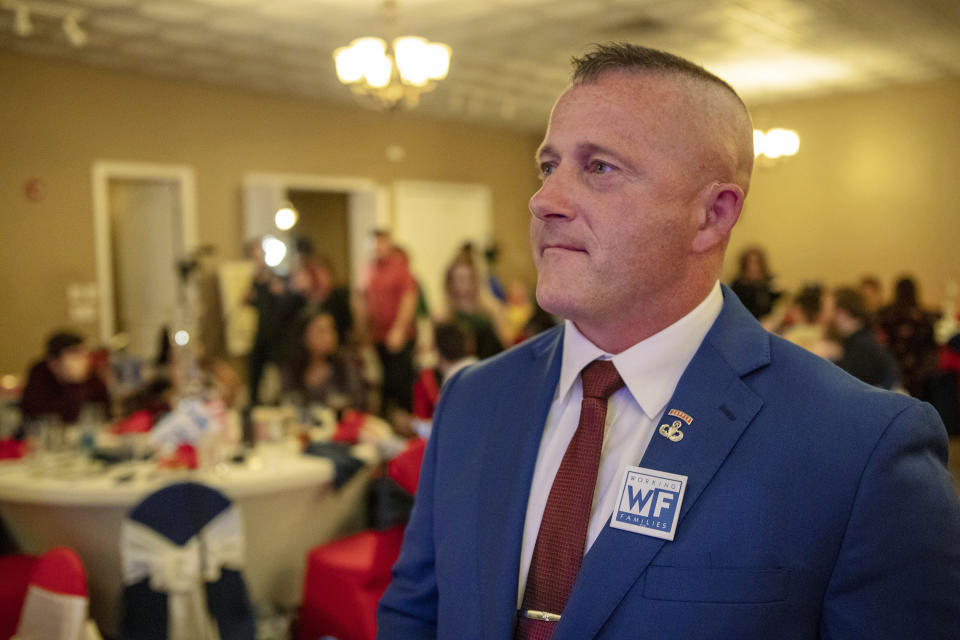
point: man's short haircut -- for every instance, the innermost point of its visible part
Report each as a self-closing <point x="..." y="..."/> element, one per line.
<point x="451" y="341"/>
<point x="622" y="56"/>
<point x="60" y="342"/>
<point x="851" y="301"/>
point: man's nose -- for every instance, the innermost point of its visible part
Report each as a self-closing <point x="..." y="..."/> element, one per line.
<point x="554" y="198"/>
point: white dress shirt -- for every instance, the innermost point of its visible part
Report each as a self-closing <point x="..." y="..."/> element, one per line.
<point x="650" y="370"/>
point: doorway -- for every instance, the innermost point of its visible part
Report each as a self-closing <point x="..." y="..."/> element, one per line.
<point x="145" y="224"/>
<point x="432" y="221"/>
<point x="324" y="221"/>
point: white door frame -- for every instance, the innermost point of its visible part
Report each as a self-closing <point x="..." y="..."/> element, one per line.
<point x="368" y="207"/>
<point x="103" y="172"/>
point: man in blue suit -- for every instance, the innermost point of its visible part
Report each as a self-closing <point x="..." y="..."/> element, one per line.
<point x="739" y="488"/>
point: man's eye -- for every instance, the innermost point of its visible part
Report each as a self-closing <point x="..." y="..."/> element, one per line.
<point x="545" y="169"/>
<point x="600" y="167"/>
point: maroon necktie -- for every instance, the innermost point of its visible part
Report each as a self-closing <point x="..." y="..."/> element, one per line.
<point x="562" y="538"/>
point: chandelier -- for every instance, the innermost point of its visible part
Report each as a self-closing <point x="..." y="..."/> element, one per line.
<point x="392" y="77"/>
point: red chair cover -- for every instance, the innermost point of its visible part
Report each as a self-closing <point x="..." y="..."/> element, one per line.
<point x="426" y="394"/>
<point x="15" y="571"/>
<point x="348" y="430"/>
<point x="344" y="581"/>
<point x="60" y="570"/>
<point x="10" y="449"/>
<point x="405" y="468"/>
<point x="346" y="578"/>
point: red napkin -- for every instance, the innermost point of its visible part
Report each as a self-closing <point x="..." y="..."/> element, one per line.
<point x="136" y="422"/>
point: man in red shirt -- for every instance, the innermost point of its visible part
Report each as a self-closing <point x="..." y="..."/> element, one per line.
<point x="391" y="301"/>
<point x="62" y="382"/>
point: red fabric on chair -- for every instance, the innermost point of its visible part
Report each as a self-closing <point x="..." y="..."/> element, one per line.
<point x="60" y="570"/>
<point x="426" y="394"/>
<point x="56" y="606"/>
<point x="405" y="468"/>
<point x="345" y="578"/>
<point x="344" y="581"/>
<point x="12" y="449"/>
<point x="348" y="430"/>
<point x="15" y="571"/>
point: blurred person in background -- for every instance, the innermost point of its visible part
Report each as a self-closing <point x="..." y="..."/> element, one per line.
<point x="491" y="255"/>
<point x="390" y="304"/>
<point x="270" y="296"/>
<point x="872" y="291"/>
<point x="323" y="373"/>
<point x="315" y="285"/>
<point x="519" y="310"/>
<point x="467" y="306"/>
<point x="454" y="352"/>
<point x="862" y="356"/>
<point x="807" y="319"/>
<point x="63" y="382"/>
<point x="907" y="330"/>
<point x="754" y="283"/>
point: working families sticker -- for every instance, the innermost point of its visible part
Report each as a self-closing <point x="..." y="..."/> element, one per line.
<point x="649" y="502"/>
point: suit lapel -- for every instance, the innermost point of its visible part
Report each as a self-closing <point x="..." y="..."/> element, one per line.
<point x="510" y="454"/>
<point x="722" y="406"/>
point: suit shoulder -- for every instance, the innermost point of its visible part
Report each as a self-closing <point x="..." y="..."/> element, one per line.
<point x="518" y="356"/>
<point x="810" y="379"/>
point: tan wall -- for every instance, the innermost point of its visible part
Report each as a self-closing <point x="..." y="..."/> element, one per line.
<point x="57" y="118"/>
<point x="874" y="189"/>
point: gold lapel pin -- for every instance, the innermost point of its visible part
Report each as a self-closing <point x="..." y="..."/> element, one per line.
<point x="673" y="432"/>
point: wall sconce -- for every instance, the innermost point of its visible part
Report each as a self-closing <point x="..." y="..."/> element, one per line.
<point x="775" y="143"/>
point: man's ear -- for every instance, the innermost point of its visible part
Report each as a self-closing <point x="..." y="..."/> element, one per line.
<point x="722" y="204"/>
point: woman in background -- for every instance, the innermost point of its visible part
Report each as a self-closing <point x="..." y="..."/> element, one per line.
<point x="321" y="373"/>
<point x="754" y="283"/>
<point x="907" y="331"/>
<point x="467" y="306"/>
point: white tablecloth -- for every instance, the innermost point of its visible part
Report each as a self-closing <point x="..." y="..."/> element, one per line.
<point x="288" y="503"/>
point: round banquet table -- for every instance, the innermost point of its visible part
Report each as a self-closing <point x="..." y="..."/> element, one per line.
<point x="288" y="503"/>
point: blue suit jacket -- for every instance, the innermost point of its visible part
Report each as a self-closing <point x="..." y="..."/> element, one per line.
<point x="816" y="507"/>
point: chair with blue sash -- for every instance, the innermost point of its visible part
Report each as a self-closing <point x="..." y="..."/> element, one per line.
<point x="182" y="550"/>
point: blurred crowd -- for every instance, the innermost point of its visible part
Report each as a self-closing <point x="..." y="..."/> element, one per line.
<point x="382" y="348"/>
<point x="889" y="341"/>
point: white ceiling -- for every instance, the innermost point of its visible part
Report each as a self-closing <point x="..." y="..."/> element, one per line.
<point x="511" y="57"/>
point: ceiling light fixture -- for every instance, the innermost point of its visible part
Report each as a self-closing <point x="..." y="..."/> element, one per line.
<point x="392" y="77"/>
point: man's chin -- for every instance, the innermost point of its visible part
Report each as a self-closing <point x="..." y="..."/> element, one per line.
<point x="558" y="300"/>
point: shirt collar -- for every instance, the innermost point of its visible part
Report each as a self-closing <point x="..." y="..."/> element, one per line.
<point x="651" y="368"/>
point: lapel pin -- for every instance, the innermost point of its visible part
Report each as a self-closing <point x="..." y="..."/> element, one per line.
<point x="673" y="431"/>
